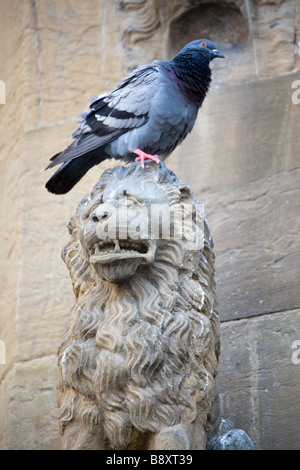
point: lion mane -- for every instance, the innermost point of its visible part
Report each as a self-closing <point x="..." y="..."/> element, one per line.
<point x="140" y="355"/>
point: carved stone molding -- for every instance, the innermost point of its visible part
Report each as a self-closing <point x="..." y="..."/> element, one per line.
<point x="181" y="21"/>
<point x="257" y="37"/>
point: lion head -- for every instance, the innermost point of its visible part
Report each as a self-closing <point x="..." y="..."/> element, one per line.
<point x="142" y="347"/>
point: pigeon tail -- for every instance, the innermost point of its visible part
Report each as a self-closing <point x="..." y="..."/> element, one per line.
<point x="71" y="172"/>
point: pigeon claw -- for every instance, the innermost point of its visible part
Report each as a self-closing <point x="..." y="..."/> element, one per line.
<point x="142" y="156"/>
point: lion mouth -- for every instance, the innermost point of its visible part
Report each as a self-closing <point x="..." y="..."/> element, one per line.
<point x="106" y="251"/>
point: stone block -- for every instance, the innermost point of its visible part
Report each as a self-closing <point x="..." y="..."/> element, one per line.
<point x="4" y="408"/>
<point x="250" y="192"/>
<point x="72" y="53"/>
<point x="258" y="381"/>
<point x="278" y="381"/>
<point x="275" y="23"/>
<point x="234" y="376"/>
<point x="33" y="406"/>
<point x="11" y="175"/>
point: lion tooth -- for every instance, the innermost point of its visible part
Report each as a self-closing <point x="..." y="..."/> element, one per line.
<point x="117" y="248"/>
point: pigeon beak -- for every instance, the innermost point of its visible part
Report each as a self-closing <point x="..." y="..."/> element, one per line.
<point x="217" y="54"/>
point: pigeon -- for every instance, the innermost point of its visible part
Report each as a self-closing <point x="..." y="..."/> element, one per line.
<point x="145" y="116"/>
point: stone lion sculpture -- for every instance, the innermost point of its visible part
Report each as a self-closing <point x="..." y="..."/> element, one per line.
<point x="139" y="359"/>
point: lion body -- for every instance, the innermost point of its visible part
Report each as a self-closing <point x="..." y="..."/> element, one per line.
<point x="138" y="364"/>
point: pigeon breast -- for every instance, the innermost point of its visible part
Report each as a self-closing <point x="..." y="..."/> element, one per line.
<point x="170" y="116"/>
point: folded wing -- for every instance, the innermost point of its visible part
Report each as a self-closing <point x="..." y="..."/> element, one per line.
<point x="125" y="108"/>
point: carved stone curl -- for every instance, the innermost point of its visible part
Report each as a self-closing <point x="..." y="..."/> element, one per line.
<point x="139" y="360"/>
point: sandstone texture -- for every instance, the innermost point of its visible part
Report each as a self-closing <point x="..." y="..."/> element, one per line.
<point x="139" y="359"/>
<point x="241" y="161"/>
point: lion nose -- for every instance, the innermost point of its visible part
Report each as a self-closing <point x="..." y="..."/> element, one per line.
<point x="101" y="213"/>
<point x="96" y="218"/>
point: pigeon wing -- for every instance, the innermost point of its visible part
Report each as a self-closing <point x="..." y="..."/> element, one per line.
<point x="125" y="108"/>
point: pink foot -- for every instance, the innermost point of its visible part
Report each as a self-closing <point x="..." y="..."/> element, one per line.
<point x="142" y="156"/>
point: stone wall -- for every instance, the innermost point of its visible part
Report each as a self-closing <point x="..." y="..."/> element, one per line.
<point x="242" y="162"/>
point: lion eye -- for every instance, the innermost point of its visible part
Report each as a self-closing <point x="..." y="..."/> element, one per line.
<point x="203" y="43"/>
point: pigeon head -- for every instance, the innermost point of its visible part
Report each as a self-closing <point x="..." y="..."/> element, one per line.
<point x="203" y="48"/>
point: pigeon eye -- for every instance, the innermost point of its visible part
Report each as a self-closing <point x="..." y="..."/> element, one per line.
<point x="203" y="43"/>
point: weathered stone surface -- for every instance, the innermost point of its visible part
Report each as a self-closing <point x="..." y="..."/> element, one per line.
<point x="68" y="45"/>
<point x="28" y="412"/>
<point x="278" y="381"/>
<point x="272" y="36"/>
<point x="257" y="37"/>
<point x="10" y="190"/>
<point x="252" y="193"/>
<point x="235" y="376"/>
<point x="138" y="362"/>
<point x="258" y="381"/>
<point x="32" y="410"/>
<point x="5" y="394"/>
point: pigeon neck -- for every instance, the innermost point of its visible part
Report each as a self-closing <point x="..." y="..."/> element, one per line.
<point x="193" y="76"/>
